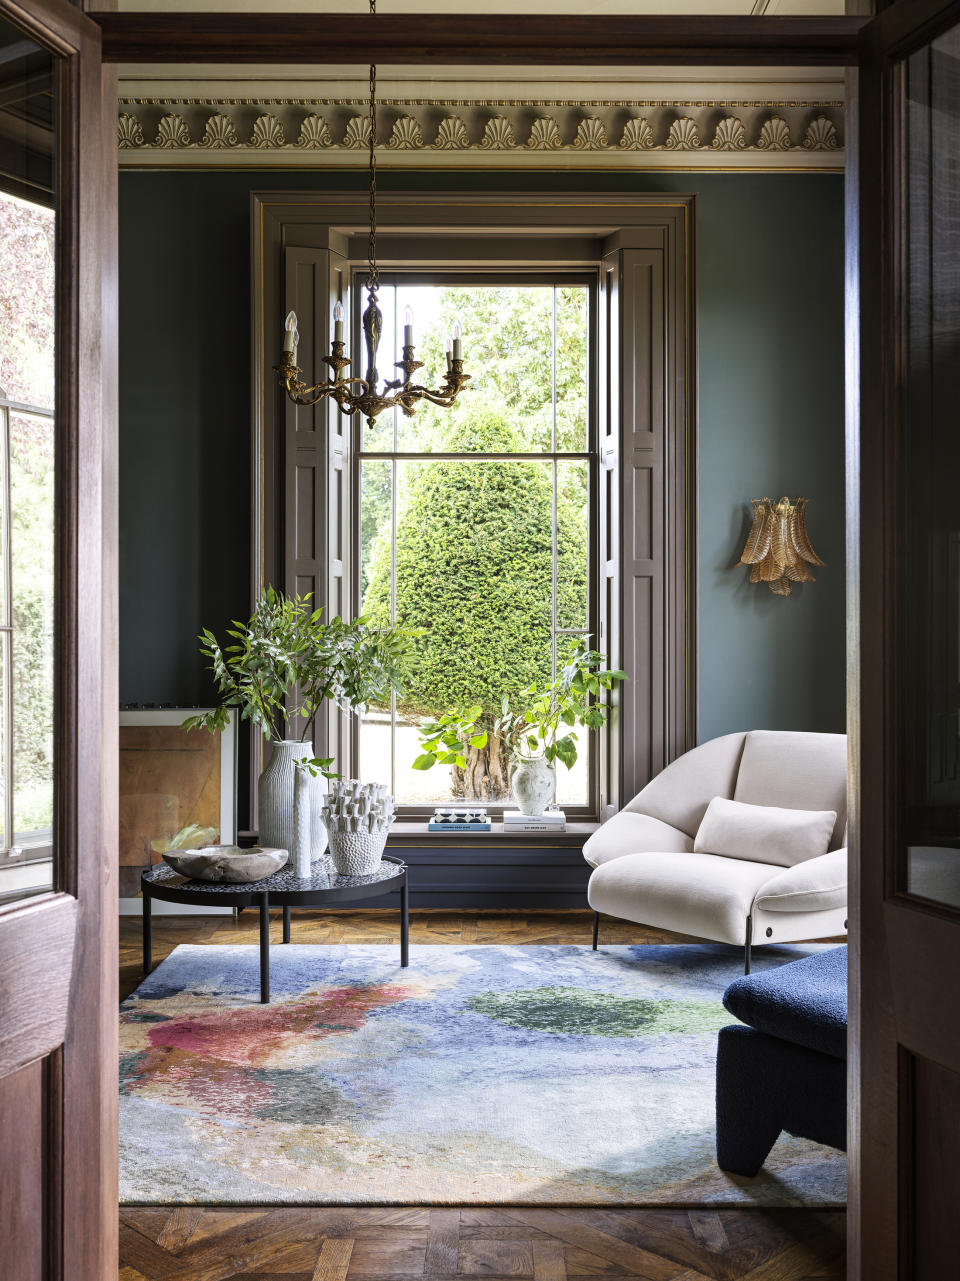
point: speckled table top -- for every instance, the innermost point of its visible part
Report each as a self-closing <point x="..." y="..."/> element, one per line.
<point x="285" y="882"/>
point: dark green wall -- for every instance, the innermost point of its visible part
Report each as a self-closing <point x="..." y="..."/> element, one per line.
<point x="770" y="286"/>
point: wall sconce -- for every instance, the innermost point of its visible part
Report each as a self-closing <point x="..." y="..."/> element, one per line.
<point x="778" y="547"/>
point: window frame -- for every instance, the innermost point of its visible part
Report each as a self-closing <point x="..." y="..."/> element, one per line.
<point x="491" y="275"/>
<point x="39" y="848"/>
<point x="645" y="246"/>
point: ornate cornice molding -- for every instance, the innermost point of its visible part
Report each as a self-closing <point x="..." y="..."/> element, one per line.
<point x="638" y="134"/>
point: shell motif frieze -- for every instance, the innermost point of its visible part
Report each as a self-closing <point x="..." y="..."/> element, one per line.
<point x="268" y="132"/>
<point x="129" y="131"/>
<point x="172" y="132"/>
<point x="775" y="135"/>
<point x="498" y="135"/>
<point x="314" y="133"/>
<point x="591" y="135"/>
<point x="730" y="135"/>
<point x="545" y="135"/>
<point x="821" y="135"/>
<point x="751" y="134"/>
<point x="407" y="134"/>
<point x="452" y="135"/>
<point x="220" y="132"/>
<point x="683" y="136"/>
<point x="357" y="133"/>
<point x="637" y="135"/>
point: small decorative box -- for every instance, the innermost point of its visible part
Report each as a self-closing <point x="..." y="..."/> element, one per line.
<point x="460" y="819"/>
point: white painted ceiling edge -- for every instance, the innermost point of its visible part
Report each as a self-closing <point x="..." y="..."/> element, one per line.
<point x="477" y="84"/>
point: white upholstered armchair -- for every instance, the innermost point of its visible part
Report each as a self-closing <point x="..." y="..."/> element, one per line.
<point x="756" y="871"/>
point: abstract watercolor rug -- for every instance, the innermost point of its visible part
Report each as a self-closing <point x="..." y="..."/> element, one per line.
<point x="479" y="1075"/>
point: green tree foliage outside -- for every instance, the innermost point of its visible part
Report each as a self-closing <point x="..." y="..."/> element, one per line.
<point x="474" y="539"/>
<point x="27" y="333"/>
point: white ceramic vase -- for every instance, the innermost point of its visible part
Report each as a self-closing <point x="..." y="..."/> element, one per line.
<point x="309" y="830"/>
<point x="276" y="798"/>
<point x="534" y="785"/>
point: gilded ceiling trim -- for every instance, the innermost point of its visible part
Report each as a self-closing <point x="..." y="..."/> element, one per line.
<point x="645" y="133"/>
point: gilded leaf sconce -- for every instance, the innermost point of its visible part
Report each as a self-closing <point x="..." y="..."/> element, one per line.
<point x="778" y="548"/>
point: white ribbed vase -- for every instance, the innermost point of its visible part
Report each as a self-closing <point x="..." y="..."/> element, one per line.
<point x="309" y="829"/>
<point x="275" y="795"/>
<point x="534" y="783"/>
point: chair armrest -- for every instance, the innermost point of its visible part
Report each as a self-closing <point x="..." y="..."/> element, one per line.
<point x="632" y="833"/>
<point x="815" y="885"/>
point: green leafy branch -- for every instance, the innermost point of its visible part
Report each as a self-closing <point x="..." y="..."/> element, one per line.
<point x="547" y="722"/>
<point x="445" y="741"/>
<point x="285" y="663"/>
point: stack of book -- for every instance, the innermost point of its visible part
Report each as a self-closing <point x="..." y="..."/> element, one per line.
<point x="550" y="821"/>
<point x="460" y="820"/>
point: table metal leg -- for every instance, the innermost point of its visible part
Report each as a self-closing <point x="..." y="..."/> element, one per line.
<point x="404" y="925"/>
<point x="286" y="925"/>
<point x="264" y="948"/>
<point x="147" y="932"/>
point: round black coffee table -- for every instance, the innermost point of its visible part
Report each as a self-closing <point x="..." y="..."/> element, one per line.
<point x="283" y="889"/>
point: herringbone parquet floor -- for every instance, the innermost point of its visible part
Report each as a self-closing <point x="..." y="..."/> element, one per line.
<point x="198" y="1244"/>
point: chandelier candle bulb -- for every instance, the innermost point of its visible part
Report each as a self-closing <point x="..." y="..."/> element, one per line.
<point x="290" y="334"/>
<point x="457" y="333"/>
<point x="448" y="348"/>
<point x="338" y="322"/>
<point x="408" y="326"/>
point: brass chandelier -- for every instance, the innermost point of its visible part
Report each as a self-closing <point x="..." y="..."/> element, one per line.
<point x="363" y="395"/>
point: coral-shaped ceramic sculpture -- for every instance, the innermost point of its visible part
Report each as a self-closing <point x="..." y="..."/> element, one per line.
<point x="357" y="817"/>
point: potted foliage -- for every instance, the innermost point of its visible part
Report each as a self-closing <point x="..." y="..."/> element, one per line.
<point x="541" y="731"/>
<point x="281" y="668"/>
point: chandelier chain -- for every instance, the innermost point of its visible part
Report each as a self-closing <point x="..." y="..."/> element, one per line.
<point x="374" y="273"/>
<point x="363" y="395"/>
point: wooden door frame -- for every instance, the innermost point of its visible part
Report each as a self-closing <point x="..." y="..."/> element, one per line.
<point x="73" y="1032"/>
<point x="349" y="39"/>
<point x="885" y="925"/>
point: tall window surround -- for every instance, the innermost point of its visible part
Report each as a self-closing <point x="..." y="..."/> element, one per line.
<point x="305" y="253"/>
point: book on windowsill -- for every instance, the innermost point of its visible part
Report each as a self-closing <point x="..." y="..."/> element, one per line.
<point x="550" y="821"/>
<point x="453" y="826"/>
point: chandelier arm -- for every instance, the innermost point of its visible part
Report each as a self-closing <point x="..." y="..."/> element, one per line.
<point x="306" y="396"/>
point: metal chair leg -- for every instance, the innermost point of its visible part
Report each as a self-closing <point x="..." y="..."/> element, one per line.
<point x="748" y="940"/>
<point x="596" y="929"/>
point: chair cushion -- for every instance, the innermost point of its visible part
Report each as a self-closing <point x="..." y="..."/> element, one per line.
<point x="628" y="833"/>
<point x="680" y="794"/>
<point x="817" y="885"/>
<point x="804" y="1002"/>
<point x="764" y="833"/>
<point x="797" y="771"/>
<point x="691" y="893"/>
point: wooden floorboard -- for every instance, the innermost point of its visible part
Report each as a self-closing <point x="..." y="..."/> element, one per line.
<point x="549" y="1245"/>
<point x="191" y="1243"/>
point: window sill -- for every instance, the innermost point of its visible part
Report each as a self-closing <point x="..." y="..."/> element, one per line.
<point x="405" y="834"/>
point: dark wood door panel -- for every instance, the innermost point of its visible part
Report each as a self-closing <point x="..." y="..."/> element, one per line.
<point x="931" y="1104"/>
<point x="926" y="997"/>
<point x="36" y="962"/>
<point x="30" y="1102"/>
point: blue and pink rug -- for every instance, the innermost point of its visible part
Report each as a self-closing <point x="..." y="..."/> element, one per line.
<point x="480" y="1075"/>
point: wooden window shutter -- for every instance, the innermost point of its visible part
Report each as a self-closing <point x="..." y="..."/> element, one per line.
<point x="315" y="465"/>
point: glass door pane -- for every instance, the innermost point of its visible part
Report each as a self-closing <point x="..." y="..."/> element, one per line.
<point x="931" y="458"/>
<point x="28" y="255"/>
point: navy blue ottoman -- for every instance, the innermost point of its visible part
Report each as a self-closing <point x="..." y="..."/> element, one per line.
<point x="787" y="1070"/>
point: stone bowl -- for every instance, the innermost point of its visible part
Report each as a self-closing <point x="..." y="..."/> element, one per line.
<point x="226" y="863"/>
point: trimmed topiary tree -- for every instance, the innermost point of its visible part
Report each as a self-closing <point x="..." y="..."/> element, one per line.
<point x="474" y="569"/>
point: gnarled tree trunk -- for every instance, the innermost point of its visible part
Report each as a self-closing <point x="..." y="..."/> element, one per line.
<point x="486" y="775"/>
